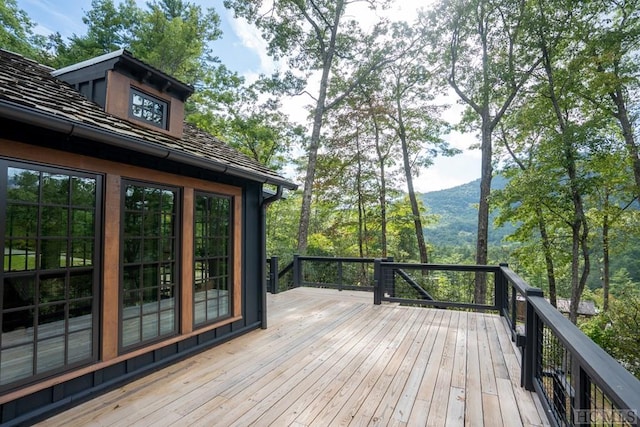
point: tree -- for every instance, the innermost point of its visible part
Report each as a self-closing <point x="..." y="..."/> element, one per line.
<point x="616" y="330"/>
<point x="410" y="109"/>
<point x="174" y="36"/>
<point x="109" y="28"/>
<point x="609" y="66"/>
<point x="313" y="35"/>
<point x="16" y="32"/>
<point x="487" y="61"/>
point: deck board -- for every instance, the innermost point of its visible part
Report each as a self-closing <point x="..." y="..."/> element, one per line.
<point x="333" y="358"/>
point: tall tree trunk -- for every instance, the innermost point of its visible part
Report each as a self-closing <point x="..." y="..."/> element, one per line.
<point x="314" y="143"/>
<point x="361" y="217"/>
<point x="578" y="223"/>
<point x="622" y="115"/>
<point x="548" y="258"/>
<point x="383" y="190"/>
<point x="483" y="208"/>
<point x="605" y="252"/>
<point x="542" y="227"/>
<point x="415" y="210"/>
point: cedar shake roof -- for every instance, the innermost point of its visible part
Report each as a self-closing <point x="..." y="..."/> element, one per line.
<point x="30" y="94"/>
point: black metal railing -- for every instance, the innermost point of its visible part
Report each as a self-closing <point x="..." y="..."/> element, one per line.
<point x="342" y="273"/>
<point x="578" y="383"/>
<point x="438" y="285"/>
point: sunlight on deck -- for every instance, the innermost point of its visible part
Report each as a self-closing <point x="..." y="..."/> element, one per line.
<point x="333" y="358"/>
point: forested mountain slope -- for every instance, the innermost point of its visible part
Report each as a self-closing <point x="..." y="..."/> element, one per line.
<point x="458" y="215"/>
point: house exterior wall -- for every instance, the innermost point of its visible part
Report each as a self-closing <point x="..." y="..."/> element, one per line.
<point x="117" y="102"/>
<point x="112" y="364"/>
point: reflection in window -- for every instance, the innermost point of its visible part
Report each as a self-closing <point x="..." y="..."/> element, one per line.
<point x="48" y="276"/>
<point x="148" y="281"/>
<point x="212" y="258"/>
<point x="148" y="109"/>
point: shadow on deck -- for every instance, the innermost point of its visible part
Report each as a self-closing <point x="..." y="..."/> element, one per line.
<point x="335" y="358"/>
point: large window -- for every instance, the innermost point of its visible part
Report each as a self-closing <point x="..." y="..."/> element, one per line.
<point x="49" y="232"/>
<point x="148" y="109"/>
<point x="148" y="303"/>
<point x="212" y="258"/>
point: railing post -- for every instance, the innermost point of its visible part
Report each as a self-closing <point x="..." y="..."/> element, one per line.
<point x="377" y="282"/>
<point x="501" y="289"/>
<point x="390" y="279"/>
<point x="581" y="402"/>
<point x="273" y="275"/>
<point x="297" y="271"/>
<point x="532" y="351"/>
<point x="514" y="312"/>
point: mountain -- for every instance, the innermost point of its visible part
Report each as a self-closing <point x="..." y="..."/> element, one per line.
<point x="457" y="209"/>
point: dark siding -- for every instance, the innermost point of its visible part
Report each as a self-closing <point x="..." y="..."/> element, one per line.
<point x="44" y="403"/>
<point x="252" y="254"/>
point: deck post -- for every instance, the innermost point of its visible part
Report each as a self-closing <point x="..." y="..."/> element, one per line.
<point x="273" y="275"/>
<point x="297" y="271"/>
<point x="377" y="282"/>
<point x="390" y="279"/>
<point x="581" y="387"/>
<point x="532" y="340"/>
<point x="501" y="289"/>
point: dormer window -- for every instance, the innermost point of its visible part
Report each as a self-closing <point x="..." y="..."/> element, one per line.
<point x="148" y="109"/>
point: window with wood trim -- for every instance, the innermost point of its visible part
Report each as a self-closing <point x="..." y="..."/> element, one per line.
<point x="148" y="109"/>
<point x="213" y="248"/>
<point x="148" y="291"/>
<point x="50" y="226"/>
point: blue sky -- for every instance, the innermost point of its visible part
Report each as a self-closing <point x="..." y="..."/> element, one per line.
<point x="65" y="17"/>
<point x="242" y="50"/>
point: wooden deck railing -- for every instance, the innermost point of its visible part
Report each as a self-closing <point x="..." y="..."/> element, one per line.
<point x="578" y="383"/>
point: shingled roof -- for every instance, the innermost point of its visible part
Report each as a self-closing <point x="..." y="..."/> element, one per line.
<point x="30" y="94"/>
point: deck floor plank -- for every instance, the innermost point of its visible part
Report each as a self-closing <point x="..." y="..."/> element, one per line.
<point x="385" y="399"/>
<point x="333" y="358"/>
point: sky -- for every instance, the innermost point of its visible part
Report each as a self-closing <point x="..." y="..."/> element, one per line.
<point x="242" y="50"/>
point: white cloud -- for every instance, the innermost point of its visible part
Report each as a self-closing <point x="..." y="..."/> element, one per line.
<point x="446" y="172"/>
<point x="252" y="40"/>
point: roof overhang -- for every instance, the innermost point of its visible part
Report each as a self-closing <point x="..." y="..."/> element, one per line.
<point x="72" y="128"/>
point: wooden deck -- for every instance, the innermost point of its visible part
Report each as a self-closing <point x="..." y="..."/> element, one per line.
<point x="333" y="358"/>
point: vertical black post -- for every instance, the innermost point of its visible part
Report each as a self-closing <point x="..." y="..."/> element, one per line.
<point x="297" y="271"/>
<point x="581" y="402"/>
<point x="273" y="275"/>
<point x="340" y="275"/>
<point x="514" y="309"/>
<point x="532" y="351"/>
<point x="377" y="282"/>
<point x="500" y="283"/>
<point x="391" y="279"/>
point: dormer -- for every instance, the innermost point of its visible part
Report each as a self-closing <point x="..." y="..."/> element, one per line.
<point x="132" y="90"/>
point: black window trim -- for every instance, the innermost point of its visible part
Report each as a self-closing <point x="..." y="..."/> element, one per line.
<point x="122" y="349"/>
<point x="230" y="255"/>
<point x="97" y="268"/>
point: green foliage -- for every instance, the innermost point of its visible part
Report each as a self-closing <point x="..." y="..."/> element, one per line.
<point x="616" y="330"/>
<point x="16" y="32"/>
